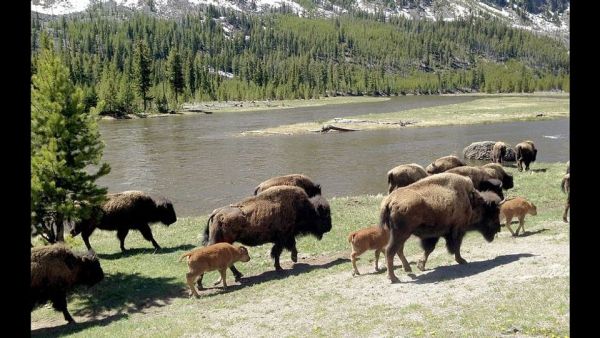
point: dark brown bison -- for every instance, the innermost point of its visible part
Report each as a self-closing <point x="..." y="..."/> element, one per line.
<point x="565" y="186"/>
<point x="404" y="175"/>
<point x="498" y="152"/>
<point x="497" y="171"/>
<point x="125" y="211"/>
<point x="443" y="205"/>
<point x="444" y="163"/>
<point x="276" y="215"/>
<point x="526" y="153"/>
<point x="483" y="180"/>
<point x="56" y="270"/>
<point x="298" y="180"/>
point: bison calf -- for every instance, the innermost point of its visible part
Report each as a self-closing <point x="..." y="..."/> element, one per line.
<point x="218" y="256"/>
<point x="517" y="207"/>
<point x="55" y="270"/>
<point x="371" y="238"/>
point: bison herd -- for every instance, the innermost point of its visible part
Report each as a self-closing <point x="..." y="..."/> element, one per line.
<point x="446" y="199"/>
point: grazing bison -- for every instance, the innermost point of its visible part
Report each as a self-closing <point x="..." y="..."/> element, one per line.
<point x="444" y="163"/>
<point x="404" y="175"/>
<point x="276" y="215"/>
<point x="443" y="205"/>
<point x="125" y="211"/>
<point x="219" y="256"/>
<point x="371" y="238"/>
<point x="496" y="171"/>
<point x="55" y="270"/>
<point x="517" y="207"/>
<point x="565" y="186"/>
<point x="483" y="180"/>
<point x="297" y="180"/>
<point x="498" y="151"/>
<point x="526" y="153"/>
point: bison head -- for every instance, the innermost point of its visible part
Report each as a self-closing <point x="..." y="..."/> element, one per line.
<point x="431" y="169"/>
<point x="486" y="208"/>
<point x="313" y="191"/>
<point x="90" y="271"/>
<point x="323" y="217"/>
<point x="165" y="213"/>
<point x="507" y="181"/>
<point x="89" y="222"/>
<point x="492" y="185"/>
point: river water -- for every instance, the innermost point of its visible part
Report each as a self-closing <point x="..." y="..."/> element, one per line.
<point x="200" y="163"/>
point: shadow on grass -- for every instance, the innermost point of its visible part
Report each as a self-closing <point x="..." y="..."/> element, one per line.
<point x="150" y="250"/>
<point x="297" y="269"/>
<point x="115" y="297"/>
<point x="529" y="233"/>
<point x="443" y="273"/>
<point x="66" y="329"/>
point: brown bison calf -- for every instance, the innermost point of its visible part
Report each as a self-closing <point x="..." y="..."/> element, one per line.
<point x="298" y="180"/>
<point x="517" y="207"/>
<point x="443" y="205"/>
<point x="444" y="163"/>
<point x="404" y="175"/>
<point x="525" y="153"/>
<point x="55" y="270"/>
<point x="565" y="186"/>
<point x="371" y="238"/>
<point x="218" y="256"/>
<point x="126" y="211"/>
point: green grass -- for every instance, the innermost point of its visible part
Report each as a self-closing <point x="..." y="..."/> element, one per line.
<point x="487" y="109"/>
<point x="144" y="294"/>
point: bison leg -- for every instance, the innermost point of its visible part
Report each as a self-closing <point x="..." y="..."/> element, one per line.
<point x="507" y="225"/>
<point x="354" y="257"/>
<point x="565" y="213"/>
<point x="453" y="243"/>
<point x="397" y="239"/>
<point x="428" y="244"/>
<point x="190" y="277"/>
<point x="377" y="252"/>
<point x="223" y="273"/>
<point x="291" y="245"/>
<point x="519" y="165"/>
<point x="147" y="233"/>
<point x="238" y="275"/>
<point x="59" y="302"/>
<point x="85" y="235"/>
<point x="275" y="253"/>
<point x="121" y="234"/>
<point x="521" y="225"/>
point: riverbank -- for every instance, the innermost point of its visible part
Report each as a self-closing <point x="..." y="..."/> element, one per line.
<point x="510" y="286"/>
<point x="487" y="109"/>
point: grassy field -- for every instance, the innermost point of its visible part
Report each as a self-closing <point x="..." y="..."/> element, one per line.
<point x="510" y="286"/>
<point x="487" y="109"/>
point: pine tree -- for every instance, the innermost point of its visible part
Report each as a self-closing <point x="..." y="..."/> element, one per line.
<point x="65" y="141"/>
<point x="142" y="70"/>
<point x="175" y="72"/>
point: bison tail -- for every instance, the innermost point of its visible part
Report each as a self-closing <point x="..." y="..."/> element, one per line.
<point x="206" y="229"/>
<point x="384" y="217"/>
<point x="187" y="254"/>
<point x="351" y="237"/>
<point x="518" y="152"/>
<point x="563" y="184"/>
<point x="256" y="190"/>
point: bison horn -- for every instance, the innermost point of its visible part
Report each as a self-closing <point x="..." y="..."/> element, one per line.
<point x="502" y="202"/>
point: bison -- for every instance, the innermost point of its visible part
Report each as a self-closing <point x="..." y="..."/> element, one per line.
<point x="565" y="186"/>
<point x="56" y="270"/>
<point x="443" y="205"/>
<point x="517" y="207"/>
<point x="483" y="180"/>
<point x="125" y="211"/>
<point x="371" y="238"/>
<point x="526" y="153"/>
<point x="404" y="175"/>
<point x="498" y="152"/>
<point x="444" y="163"/>
<point x="497" y="171"/>
<point x="298" y="180"/>
<point x="276" y="215"/>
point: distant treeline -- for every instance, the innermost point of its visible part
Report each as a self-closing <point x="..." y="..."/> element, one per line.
<point x="224" y="55"/>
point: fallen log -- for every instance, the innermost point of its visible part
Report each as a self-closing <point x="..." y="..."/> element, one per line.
<point x="329" y="127"/>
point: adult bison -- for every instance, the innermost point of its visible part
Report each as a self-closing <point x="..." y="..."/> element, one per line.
<point x="404" y="175"/>
<point x="497" y="171"/>
<point x="498" y="152"/>
<point x="444" y="205"/>
<point x="526" y="153"/>
<point x="56" y="270"/>
<point x="565" y="186"/>
<point x="298" y="180"/>
<point x="444" y="163"/>
<point x="125" y="211"/>
<point x="483" y="179"/>
<point x="276" y="215"/>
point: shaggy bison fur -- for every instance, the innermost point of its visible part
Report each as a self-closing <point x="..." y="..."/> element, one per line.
<point x="526" y="153"/>
<point x="444" y="205"/>
<point x="483" y="180"/>
<point x="497" y="171"/>
<point x="56" y="270"/>
<point x="444" y="163"/>
<point x="126" y="211"/>
<point x="404" y="175"/>
<point x="298" y="180"/>
<point x="565" y="186"/>
<point x="498" y="151"/>
<point x="276" y="215"/>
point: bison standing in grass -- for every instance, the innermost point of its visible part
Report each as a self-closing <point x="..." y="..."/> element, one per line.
<point x="126" y="211"/>
<point x="498" y="152"/>
<point x="276" y="215"/>
<point x="482" y="179"/>
<point x="444" y="163"/>
<point x="565" y="186"/>
<point x="444" y="205"/>
<point x="404" y="175"/>
<point x="55" y="270"/>
<point x="497" y="171"/>
<point x="298" y="180"/>
<point x="526" y="153"/>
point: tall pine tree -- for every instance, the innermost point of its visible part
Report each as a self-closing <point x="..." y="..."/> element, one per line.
<point x="175" y="72"/>
<point x="142" y="70"/>
<point x="65" y="142"/>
